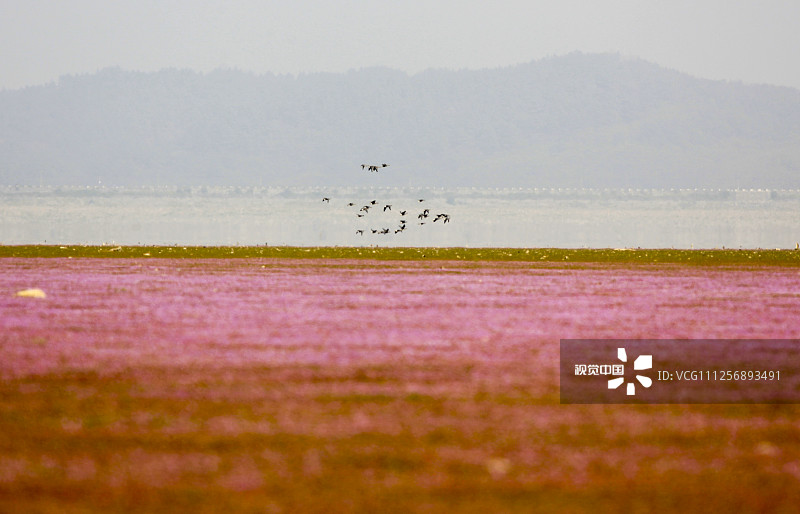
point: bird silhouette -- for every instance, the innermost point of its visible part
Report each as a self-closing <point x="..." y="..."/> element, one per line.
<point x="373" y="167"/>
<point x="326" y="199"/>
<point x="423" y="215"/>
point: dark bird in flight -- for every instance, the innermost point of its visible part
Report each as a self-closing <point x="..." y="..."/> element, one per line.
<point x="326" y="199"/>
<point x="360" y="232"/>
<point x="350" y="204"/>
<point x="402" y="213"/>
<point x="373" y="167"/>
<point x="373" y="202"/>
<point x="365" y="208"/>
<point x="421" y="199"/>
<point x="387" y="207"/>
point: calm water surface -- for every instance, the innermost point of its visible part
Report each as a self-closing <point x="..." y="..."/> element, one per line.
<point x="569" y="218"/>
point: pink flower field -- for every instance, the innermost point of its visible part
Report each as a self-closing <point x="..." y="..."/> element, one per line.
<point x="288" y="385"/>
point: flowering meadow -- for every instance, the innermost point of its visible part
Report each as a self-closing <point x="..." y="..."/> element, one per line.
<point x="351" y="385"/>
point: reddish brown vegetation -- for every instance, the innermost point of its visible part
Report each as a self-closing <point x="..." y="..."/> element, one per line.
<point x="334" y="385"/>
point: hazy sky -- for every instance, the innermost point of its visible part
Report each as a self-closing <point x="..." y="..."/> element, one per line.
<point x="748" y="40"/>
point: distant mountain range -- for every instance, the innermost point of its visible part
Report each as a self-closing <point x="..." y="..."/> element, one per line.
<point x="580" y="120"/>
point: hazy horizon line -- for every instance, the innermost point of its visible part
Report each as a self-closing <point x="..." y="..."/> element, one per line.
<point x="409" y="73"/>
<point x="100" y="187"/>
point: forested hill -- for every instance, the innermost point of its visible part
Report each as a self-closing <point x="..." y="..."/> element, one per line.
<point x="573" y="121"/>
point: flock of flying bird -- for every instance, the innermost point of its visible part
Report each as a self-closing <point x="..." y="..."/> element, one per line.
<point x="373" y="167"/>
<point x="422" y="217"/>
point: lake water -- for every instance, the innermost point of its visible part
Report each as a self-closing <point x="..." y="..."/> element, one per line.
<point x="478" y="217"/>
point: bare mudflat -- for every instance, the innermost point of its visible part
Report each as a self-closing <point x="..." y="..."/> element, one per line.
<point x="271" y="384"/>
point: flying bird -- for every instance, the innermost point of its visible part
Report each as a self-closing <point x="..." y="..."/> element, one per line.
<point x="373" y="167"/>
<point x="326" y="199"/>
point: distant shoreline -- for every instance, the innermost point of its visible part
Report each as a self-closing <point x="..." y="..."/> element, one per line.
<point x="696" y="257"/>
<point x="237" y="189"/>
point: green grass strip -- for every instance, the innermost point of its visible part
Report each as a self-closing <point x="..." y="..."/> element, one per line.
<point x="708" y="257"/>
